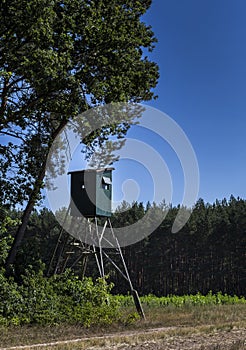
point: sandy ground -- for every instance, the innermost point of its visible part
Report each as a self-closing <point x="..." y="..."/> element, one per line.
<point x="222" y="340"/>
<point x="160" y="339"/>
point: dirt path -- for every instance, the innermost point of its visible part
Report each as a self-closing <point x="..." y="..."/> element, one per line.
<point x="222" y="340"/>
<point x="168" y="338"/>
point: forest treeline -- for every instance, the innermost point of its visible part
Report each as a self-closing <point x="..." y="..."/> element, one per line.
<point x="208" y="253"/>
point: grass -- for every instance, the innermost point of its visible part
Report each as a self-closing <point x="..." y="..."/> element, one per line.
<point x="190" y="315"/>
<point x="180" y="321"/>
<point x="169" y="336"/>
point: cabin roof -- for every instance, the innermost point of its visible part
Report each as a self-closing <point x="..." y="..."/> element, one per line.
<point x="91" y="170"/>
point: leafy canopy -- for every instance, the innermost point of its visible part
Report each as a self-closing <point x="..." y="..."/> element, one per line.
<point x="58" y="59"/>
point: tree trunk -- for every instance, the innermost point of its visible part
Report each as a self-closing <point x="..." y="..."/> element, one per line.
<point x="24" y="221"/>
<point x="28" y="210"/>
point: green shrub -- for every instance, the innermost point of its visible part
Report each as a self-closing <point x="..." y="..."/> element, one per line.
<point x="179" y="301"/>
<point x="62" y="298"/>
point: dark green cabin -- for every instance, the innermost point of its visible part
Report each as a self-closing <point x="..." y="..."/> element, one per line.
<point x="91" y="192"/>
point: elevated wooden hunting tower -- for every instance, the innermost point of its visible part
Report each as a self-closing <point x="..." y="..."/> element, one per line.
<point x="91" y="197"/>
<point x="91" y="192"/>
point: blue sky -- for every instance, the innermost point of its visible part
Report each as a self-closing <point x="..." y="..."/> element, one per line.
<point x="201" y="52"/>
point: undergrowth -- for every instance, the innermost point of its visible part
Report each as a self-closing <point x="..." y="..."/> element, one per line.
<point x="179" y="301"/>
<point x="66" y="299"/>
<point x="59" y="299"/>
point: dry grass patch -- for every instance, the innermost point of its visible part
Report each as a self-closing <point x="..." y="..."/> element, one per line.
<point x="176" y="322"/>
<point x="186" y="338"/>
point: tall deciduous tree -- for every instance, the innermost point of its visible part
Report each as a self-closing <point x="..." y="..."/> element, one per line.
<point x="58" y="59"/>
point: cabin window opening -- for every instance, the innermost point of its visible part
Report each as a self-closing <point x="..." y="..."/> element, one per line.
<point x="106" y="182"/>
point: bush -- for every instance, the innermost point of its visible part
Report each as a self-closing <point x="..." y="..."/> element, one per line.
<point x="61" y="298"/>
